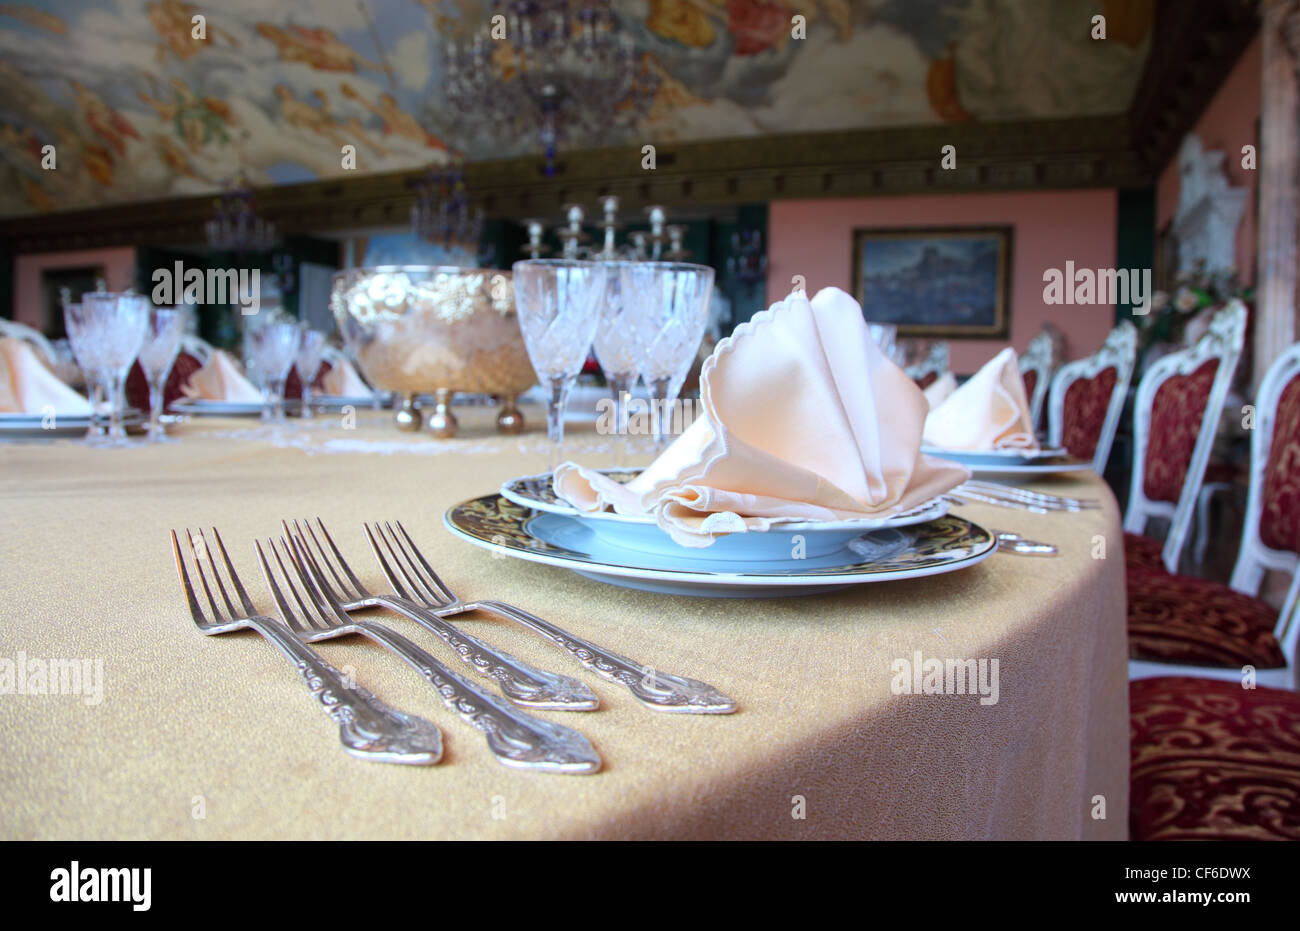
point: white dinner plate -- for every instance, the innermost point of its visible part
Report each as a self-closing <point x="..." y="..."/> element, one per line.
<point x="202" y="407"/>
<point x="495" y="523"/>
<point x="1016" y="463"/>
<point x="30" y="426"/>
<point x="640" y="532"/>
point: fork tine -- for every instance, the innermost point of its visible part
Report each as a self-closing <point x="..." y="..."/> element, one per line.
<point x="389" y="574"/>
<point x="403" y="562"/>
<point x="216" y="573"/>
<point x="291" y="538"/>
<point x="430" y="575"/>
<point x="286" y="613"/>
<point x="234" y="576"/>
<point x="358" y="590"/>
<point x="314" y="580"/>
<point x="203" y="579"/>
<point x="288" y="574"/>
<point x="195" y="610"/>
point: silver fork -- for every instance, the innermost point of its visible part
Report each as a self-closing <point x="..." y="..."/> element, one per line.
<point x="367" y="727"/>
<point x="519" y="681"/>
<point x="515" y="739"/>
<point x="1027" y="497"/>
<point x="416" y="584"/>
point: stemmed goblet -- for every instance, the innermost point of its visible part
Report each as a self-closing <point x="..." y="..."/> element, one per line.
<point x="273" y="348"/>
<point x="558" y="304"/>
<point x="162" y="343"/>
<point x="86" y="350"/>
<point x="111" y="326"/>
<point x="668" y="306"/>
<point x="311" y="353"/>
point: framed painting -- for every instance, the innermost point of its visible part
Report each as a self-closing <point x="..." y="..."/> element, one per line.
<point x="952" y="282"/>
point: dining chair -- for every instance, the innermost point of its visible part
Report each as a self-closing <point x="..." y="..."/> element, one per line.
<point x="1086" y="400"/>
<point x="932" y="367"/>
<point x="1036" y="373"/>
<point x="1210" y="760"/>
<point x="1175" y="417"/>
<point x="1181" y="625"/>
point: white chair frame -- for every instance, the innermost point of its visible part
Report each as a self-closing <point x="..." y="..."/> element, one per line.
<point x="1119" y="352"/>
<point x="1254" y="558"/>
<point x="1038" y="357"/>
<point x="196" y="347"/>
<point x="1224" y="342"/>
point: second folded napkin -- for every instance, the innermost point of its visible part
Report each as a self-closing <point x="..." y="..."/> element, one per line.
<point x="221" y="380"/>
<point x="989" y="412"/>
<point x="804" y="419"/>
<point x="28" y="387"/>
<point x="342" y="381"/>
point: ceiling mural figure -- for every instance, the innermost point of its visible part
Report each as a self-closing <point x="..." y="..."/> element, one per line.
<point x="137" y="108"/>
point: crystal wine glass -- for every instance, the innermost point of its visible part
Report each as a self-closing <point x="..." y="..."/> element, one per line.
<point x="615" y="343"/>
<point x="558" y="303"/>
<point x="162" y="343"/>
<point x="86" y="350"/>
<point x="273" y="348"/>
<point x="117" y="322"/>
<point x="311" y="353"/>
<point x="668" y="305"/>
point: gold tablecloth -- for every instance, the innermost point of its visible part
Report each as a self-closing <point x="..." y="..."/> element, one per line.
<point x="216" y="737"/>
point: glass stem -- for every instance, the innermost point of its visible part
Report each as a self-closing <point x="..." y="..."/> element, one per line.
<point x="155" y="409"/>
<point x="661" y="415"/>
<point x="555" y="416"/>
<point x="306" y="412"/>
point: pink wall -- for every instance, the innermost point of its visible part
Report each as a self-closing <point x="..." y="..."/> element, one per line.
<point x="1227" y="124"/>
<point x="814" y="238"/>
<point x="118" y="263"/>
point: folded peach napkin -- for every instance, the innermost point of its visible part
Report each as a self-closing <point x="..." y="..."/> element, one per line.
<point x="221" y="380"/>
<point x="940" y="389"/>
<point x="342" y="381"/>
<point x="988" y="412"/>
<point x="804" y="419"/>
<point x="27" y="386"/>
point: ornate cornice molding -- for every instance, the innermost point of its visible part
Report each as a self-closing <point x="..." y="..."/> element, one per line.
<point x="1194" y="47"/>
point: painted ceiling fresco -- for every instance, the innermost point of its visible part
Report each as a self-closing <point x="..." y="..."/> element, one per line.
<point x="138" y="110"/>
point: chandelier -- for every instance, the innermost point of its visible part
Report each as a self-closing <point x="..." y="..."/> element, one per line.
<point x="442" y="212"/>
<point x="236" y="227"/>
<point x="556" y="70"/>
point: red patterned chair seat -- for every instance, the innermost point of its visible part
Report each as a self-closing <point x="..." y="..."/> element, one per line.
<point x="1213" y="761"/>
<point x="1197" y="622"/>
<point x="1143" y="553"/>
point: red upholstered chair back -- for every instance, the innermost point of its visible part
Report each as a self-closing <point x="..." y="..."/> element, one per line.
<point x="137" y="387"/>
<point x="1036" y="373"/>
<point x="926" y="380"/>
<point x="1175" y="416"/>
<point x="1087" y="398"/>
<point x="1270" y="538"/>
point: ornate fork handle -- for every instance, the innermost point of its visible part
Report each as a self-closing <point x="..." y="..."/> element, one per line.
<point x="520" y="681"/>
<point x="367" y="727"/>
<point x="517" y="739"/>
<point x="657" y="690"/>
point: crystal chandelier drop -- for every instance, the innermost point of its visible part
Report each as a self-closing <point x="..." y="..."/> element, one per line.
<point x="236" y="227"/>
<point x="442" y="212"/>
<point x="557" y="70"/>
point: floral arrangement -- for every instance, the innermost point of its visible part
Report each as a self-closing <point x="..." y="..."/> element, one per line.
<point x="1172" y="315"/>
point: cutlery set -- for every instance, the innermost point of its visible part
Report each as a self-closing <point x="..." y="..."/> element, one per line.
<point x="315" y="592"/>
<point x="1021" y="499"/>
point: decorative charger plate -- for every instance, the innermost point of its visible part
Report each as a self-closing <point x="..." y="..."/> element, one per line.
<point x="502" y="526"/>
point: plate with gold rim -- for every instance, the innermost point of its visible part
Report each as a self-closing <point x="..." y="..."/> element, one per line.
<point x="507" y="528"/>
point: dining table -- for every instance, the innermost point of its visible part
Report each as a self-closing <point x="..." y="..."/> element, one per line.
<point x="194" y="737"/>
